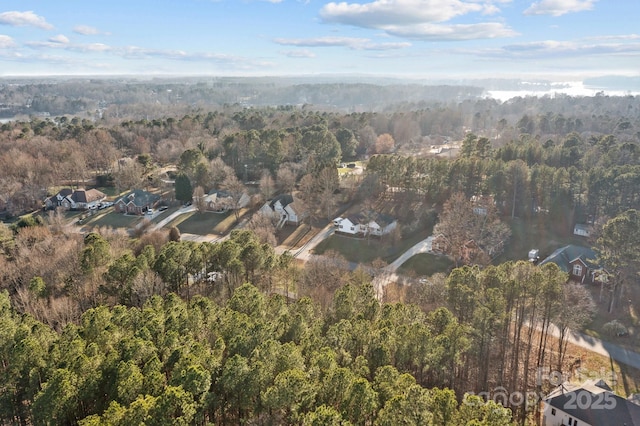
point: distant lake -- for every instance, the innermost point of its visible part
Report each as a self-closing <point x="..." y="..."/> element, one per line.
<point x="572" y="88"/>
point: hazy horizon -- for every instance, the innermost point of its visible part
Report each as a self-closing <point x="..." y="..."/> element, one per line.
<point x="556" y="40"/>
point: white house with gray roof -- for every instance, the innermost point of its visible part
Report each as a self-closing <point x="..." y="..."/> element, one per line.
<point x="591" y="404"/>
<point x="372" y="223"/>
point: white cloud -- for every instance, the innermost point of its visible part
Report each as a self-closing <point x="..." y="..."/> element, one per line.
<point x="420" y="19"/>
<point x="396" y="12"/>
<point x="350" y="42"/>
<point x="559" y="7"/>
<point x="85" y="30"/>
<point x="60" y="38"/>
<point x="562" y="49"/>
<point x="23" y="19"/>
<point x="302" y="53"/>
<point x="438" y="32"/>
<point x="6" y="42"/>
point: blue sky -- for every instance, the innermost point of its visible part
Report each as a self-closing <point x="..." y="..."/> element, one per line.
<point x="553" y="39"/>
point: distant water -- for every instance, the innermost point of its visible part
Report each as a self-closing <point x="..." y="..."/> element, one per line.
<point x="573" y="88"/>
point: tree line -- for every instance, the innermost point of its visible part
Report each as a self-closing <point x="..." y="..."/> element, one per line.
<point x="597" y="179"/>
<point x="596" y="133"/>
<point x="121" y="329"/>
<point x="253" y="359"/>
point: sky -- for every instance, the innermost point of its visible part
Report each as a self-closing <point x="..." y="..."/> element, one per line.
<point x="427" y="39"/>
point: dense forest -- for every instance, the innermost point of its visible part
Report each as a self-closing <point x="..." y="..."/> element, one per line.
<point x="105" y="327"/>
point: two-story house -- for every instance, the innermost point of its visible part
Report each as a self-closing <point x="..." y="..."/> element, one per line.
<point x="579" y="262"/>
<point x="591" y="404"/>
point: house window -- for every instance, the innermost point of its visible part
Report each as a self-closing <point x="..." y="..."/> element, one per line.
<point x="577" y="270"/>
<point x="353" y="229"/>
<point x="553" y="411"/>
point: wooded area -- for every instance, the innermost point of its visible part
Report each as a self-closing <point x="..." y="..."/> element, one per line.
<point x="105" y="327"/>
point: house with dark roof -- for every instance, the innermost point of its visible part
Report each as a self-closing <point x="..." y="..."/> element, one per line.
<point x="137" y="201"/>
<point x="80" y="199"/>
<point x="285" y="208"/>
<point x="591" y="404"/>
<point x="372" y="223"/>
<point x="579" y="262"/>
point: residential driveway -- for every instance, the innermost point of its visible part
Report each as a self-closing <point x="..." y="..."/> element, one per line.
<point x="173" y="215"/>
<point x="304" y="253"/>
<point x="388" y="274"/>
<point x="423" y="246"/>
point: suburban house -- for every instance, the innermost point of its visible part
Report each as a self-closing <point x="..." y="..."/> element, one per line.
<point x="360" y="224"/>
<point x="285" y="208"/>
<point x="591" y="404"/>
<point x="80" y="199"/>
<point x="582" y="230"/>
<point x="579" y="262"/>
<point x="137" y="201"/>
<point x="221" y="201"/>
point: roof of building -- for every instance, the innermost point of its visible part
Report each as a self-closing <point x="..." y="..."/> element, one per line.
<point x="565" y="256"/>
<point x="285" y="200"/>
<point x="139" y="197"/>
<point x="219" y="193"/>
<point x="596" y="410"/>
<point x="581" y="227"/>
<point x="65" y="192"/>
<point x="87" y="196"/>
<point x="379" y="218"/>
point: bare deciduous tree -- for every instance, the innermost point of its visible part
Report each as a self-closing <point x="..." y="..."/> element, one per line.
<point x="199" y="199"/>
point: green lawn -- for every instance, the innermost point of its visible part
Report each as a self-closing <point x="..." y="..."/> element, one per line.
<point x="365" y="251"/>
<point x="114" y="220"/>
<point x="426" y="264"/>
<point x="534" y="234"/>
<point x="205" y="223"/>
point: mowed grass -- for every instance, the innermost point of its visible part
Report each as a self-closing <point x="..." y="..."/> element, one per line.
<point x="367" y="250"/>
<point x="426" y="264"/>
<point x="206" y="223"/>
<point x="114" y="220"/>
<point x="535" y="234"/>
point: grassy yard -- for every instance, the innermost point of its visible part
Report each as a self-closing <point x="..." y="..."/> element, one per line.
<point x="366" y="251"/>
<point x="113" y="220"/>
<point x="534" y="234"/>
<point x="291" y="236"/>
<point x="426" y="264"/>
<point x="205" y="223"/>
